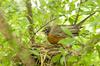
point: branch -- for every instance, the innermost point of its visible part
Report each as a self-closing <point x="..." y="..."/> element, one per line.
<point x="45" y="24"/>
<point x="29" y="11"/>
<point x="30" y="19"/>
<point x="81" y="22"/>
<point x="5" y="29"/>
<point x="77" y="16"/>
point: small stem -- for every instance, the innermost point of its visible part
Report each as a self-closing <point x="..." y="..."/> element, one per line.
<point x="45" y="25"/>
<point x="81" y="22"/>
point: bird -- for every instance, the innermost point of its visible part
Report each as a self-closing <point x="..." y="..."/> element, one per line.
<point x="55" y="33"/>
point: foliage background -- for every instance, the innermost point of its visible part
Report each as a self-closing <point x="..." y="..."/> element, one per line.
<point x="15" y="12"/>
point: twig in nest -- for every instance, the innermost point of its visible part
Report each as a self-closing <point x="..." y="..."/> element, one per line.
<point x="43" y="57"/>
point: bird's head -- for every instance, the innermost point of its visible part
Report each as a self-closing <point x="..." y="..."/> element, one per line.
<point x="47" y="30"/>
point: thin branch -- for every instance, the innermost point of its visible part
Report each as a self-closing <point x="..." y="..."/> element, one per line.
<point x="45" y="24"/>
<point x="81" y="22"/>
<point x="29" y="11"/>
<point x="30" y="19"/>
<point x="77" y="16"/>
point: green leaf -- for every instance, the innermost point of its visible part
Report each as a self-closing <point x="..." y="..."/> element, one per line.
<point x="56" y="58"/>
<point x="98" y="49"/>
<point x="66" y="41"/>
<point x="67" y="31"/>
<point x="35" y="52"/>
<point x="71" y="20"/>
<point x="62" y="60"/>
<point x="98" y="1"/>
<point x="72" y="59"/>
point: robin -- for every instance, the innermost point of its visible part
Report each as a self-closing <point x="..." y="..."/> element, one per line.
<point x="56" y="33"/>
